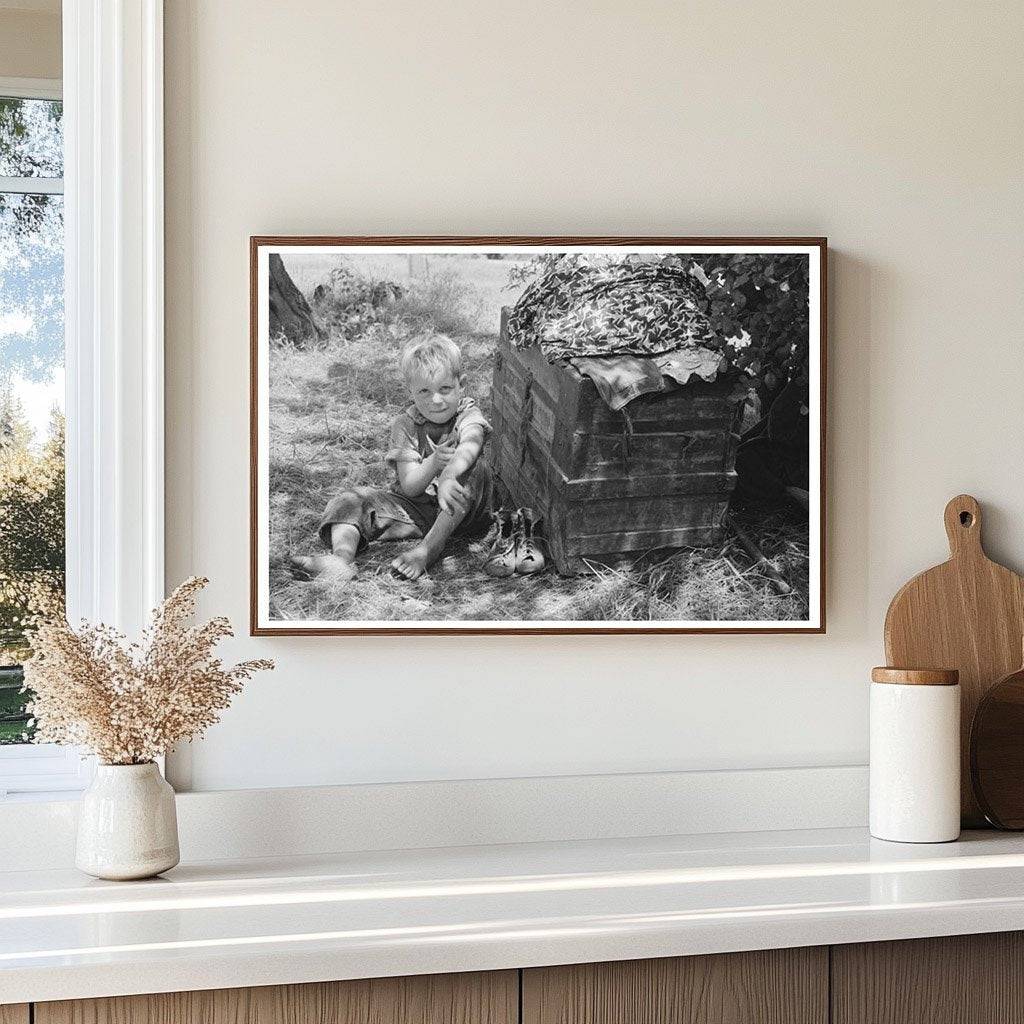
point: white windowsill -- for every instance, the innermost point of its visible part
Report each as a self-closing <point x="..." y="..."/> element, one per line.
<point x="42" y="771"/>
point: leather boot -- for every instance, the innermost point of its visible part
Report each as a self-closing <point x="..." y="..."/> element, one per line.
<point x="529" y="557"/>
<point x="501" y="559"/>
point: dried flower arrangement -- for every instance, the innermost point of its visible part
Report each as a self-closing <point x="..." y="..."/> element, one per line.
<point x="129" y="703"/>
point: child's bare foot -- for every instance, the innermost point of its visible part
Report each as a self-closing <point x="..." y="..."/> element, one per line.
<point x="330" y="568"/>
<point x="412" y="564"/>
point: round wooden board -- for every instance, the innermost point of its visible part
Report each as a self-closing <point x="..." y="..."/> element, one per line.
<point x="967" y="614"/>
<point x="997" y="752"/>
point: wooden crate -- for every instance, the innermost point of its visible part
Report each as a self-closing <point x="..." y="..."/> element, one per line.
<point x="605" y="483"/>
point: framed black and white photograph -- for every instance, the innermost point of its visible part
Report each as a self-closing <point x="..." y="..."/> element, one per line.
<point x="537" y="435"/>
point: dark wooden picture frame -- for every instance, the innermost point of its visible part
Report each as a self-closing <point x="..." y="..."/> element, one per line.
<point x="262" y="625"/>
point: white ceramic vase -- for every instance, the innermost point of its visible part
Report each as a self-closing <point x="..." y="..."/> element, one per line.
<point x="127" y="825"/>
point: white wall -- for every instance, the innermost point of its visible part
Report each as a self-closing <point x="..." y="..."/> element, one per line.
<point x="895" y="129"/>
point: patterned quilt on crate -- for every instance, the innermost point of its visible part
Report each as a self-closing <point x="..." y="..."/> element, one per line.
<point x="596" y="304"/>
<point x="627" y="322"/>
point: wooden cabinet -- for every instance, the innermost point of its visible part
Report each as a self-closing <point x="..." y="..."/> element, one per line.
<point x="962" y="979"/>
<point x="970" y="979"/>
<point x="482" y="998"/>
<point x="777" y="986"/>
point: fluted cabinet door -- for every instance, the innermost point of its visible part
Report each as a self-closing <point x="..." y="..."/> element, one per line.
<point x="481" y="998"/>
<point x="961" y="979"/>
<point x="777" y="986"/>
<point x="14" y="1013"/>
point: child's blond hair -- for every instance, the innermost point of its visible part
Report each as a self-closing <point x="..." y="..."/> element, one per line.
<point x="431" y="355"/>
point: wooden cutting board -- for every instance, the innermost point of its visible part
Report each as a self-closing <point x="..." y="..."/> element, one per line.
<point x="967" y="614"/>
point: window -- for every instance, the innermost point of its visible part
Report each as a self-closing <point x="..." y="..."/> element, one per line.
<point x="32" y="564"/>
<point x="109" y="208"/>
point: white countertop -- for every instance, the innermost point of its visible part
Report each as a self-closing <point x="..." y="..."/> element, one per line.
<point x="261" y="922"/>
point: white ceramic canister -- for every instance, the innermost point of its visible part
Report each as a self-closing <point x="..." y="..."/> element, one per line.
<point x="915" y="755"/>
<point x="127" y="825"/>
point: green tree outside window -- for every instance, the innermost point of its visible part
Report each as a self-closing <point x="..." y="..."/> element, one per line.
<point x="31" y="361"/>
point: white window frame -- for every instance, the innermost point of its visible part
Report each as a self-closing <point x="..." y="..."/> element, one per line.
<point x="114" y="326"/>
<point x="32" y="88"/>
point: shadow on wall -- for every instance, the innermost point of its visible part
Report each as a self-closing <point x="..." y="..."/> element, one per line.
<point x="854" y="286"/>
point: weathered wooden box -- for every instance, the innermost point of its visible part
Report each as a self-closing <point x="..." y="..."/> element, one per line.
<point x="605" y="483"/>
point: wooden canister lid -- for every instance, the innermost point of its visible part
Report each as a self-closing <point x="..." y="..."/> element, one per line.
<point x="916" y="676"/>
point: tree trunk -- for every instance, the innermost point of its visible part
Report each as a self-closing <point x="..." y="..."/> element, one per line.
<point x="290" y="313"/>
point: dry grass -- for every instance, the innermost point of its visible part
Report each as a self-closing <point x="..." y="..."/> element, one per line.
<point x="331" y="411"/>
<point x="713" y="584"/>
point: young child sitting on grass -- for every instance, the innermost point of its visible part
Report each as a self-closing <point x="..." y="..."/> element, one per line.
<point x="442" y="485"/>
